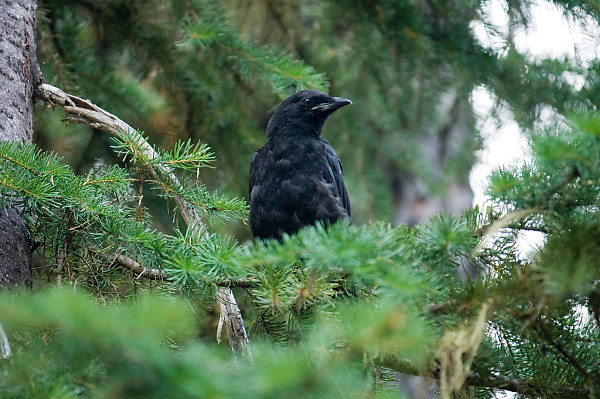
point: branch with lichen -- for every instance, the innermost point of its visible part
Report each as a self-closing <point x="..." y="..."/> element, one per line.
<point x="84" y="112"/>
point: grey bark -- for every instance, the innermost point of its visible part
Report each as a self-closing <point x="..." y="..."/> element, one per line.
<point x="15" y="249"/>
<point x="19" y="76"/>
<point x="414" y="202"/>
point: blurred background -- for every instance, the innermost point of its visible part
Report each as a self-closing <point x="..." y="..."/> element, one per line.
<point x="441" y="89"/>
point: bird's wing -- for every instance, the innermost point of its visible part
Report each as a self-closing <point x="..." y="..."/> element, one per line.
<point x="334" y="175"/>
<point x="253" y="171"/>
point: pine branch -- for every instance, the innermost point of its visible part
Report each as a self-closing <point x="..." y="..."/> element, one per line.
<point x="525" y="387"/>
<point x="5" y="350"/>
<point x="156" y="274"/>
<point x="516" y="385"/>
<point x="277" y="67"/>
<point x="566" y="355"/>
<point x="83" y="111"/>
<point x="133" y="265"/>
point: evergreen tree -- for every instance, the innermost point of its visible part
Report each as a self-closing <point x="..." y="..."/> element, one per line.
<point x="19" y="74"/>
<point x="331" y="312"/>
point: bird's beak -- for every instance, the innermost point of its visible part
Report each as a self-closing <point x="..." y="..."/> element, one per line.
<point x="332" y="104"/>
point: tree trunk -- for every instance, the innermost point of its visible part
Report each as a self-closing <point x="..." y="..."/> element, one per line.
<point x="19" y="76"/>
<point x="416" y="204"/>
<point x="414" y="201"/>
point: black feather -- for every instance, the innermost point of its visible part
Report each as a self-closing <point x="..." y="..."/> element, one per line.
<point x="296" y="178"/>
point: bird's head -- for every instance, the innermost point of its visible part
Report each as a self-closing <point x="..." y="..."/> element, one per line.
<point x="304" y="112"/>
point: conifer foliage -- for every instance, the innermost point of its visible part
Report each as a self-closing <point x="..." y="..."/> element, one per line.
<point x="323" y="306"/>
<point x="124" y="307"/>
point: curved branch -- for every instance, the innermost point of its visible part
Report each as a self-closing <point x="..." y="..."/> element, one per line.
<point x="85" y="112"/>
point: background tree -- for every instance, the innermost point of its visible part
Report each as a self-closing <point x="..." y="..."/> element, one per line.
<point x="413" y="66"/>
<point x="331" y="312"/>
<point x="19" y="75"/>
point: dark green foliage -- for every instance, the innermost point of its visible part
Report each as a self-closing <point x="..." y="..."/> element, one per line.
<point x="331" y="312"/>
<point x="80" y="220"/>
<point x="147" y="349"/>
<point x="324" y="303"/>
<point x="317" y="289"/>
<point x="286" y="75"/>
<point x="213" y="70"/>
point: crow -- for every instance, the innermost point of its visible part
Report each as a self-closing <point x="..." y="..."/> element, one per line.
<point x="296" y="178"/>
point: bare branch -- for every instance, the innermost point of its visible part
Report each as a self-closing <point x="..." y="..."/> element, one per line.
<point x="133" y="265"/>
<point x="83" y="111"/>
<point x="230" y="314"/>
<point x="5" y="351"/>
<point x="156" y="274"/>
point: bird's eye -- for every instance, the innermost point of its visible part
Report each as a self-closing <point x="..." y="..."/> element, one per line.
<point x="307" y="102"/>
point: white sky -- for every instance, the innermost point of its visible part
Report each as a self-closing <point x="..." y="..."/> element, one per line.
<point x="550" y="34"/>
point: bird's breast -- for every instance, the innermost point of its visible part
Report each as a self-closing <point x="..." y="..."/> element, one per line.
<point x="289" y="189"/>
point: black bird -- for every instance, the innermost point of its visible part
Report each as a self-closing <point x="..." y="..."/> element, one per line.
<point x="296" y="178"/>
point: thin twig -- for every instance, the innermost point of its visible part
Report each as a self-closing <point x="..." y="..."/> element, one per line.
<point x="568" y="357"/>
<point x="61" y="259"/>
<point x="443" y="307"/>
